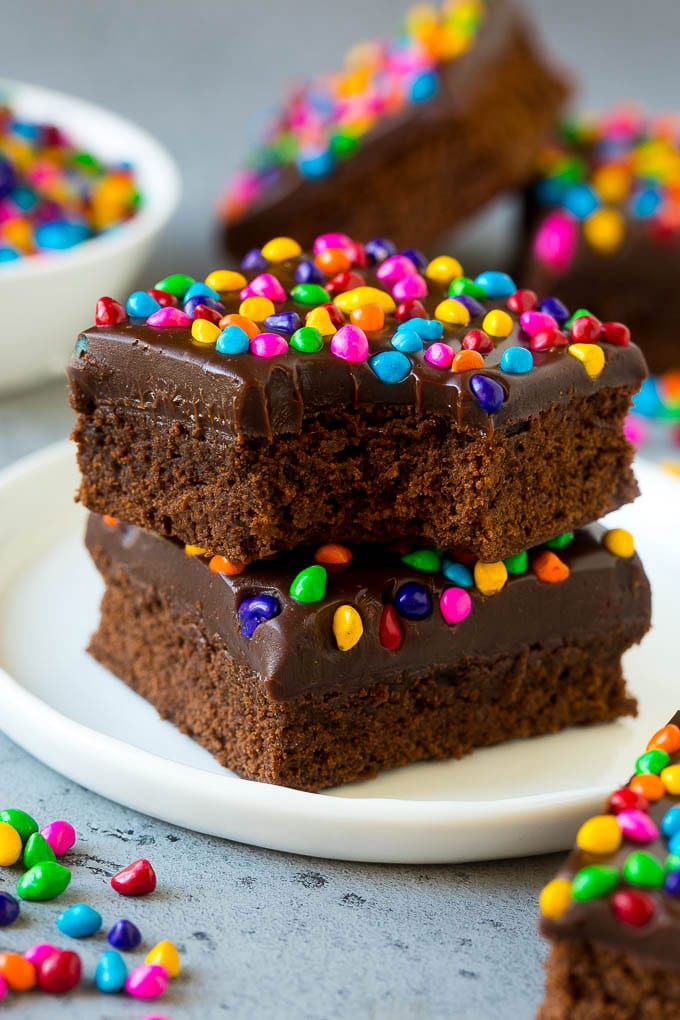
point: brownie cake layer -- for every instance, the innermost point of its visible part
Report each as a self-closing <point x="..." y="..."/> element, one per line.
<point x="424" y="164"/>
<point x="377" y="432"/>
<point x="369" y="685"/>
<point x="613" y="913"/>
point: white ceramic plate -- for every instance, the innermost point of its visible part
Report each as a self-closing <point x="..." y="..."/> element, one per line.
<point x="520" y="798"/>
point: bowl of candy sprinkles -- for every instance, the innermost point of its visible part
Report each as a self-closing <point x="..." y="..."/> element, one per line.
<point x="84" y="195"/>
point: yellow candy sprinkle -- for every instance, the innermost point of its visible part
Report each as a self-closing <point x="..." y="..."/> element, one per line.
<point x="612" y="183"/>
<point x="204" y="332"/>
<point x="165" y="955"/>
<point x="619" y="542"/>
<point x="10" y="845"/>
<point x="452" y="312"/>
<point x="591" y="356"/>
<point x="555" y="898"/>
<point x="670" y="777"/>
<point x="362" y="296"/>
<point x="195" y="550"/>
<point x="321" y="320"/>
<point x="443" y="269"/>
<point x="497" y="323"/>
<point x="604" y="230"/>
<point x="256" y="308"/>
<point x="225" y="280"/>
<point x="347" y="627"/>
<point x="490" y="578"/>
<point x="599" y="835"/>
<point x="280" y="249"/>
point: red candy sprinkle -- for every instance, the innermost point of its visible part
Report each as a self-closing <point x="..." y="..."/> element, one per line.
<point x="109" y="312"/>
<point x="634" y="908"/>
<point x="477" y="340"/>
<point x="346" y="280"/>
<point x="586" y="329"/>
<point x="356" y="254"/>
<point x="616" y="333"/>
<point x="410" y="309"/>
<point x="335" y="315"/>
<point x="548" y="338"/>
<point x="390" y="633"/>
<point x="164" y="299"/>
<point x="205" y="312"/>
<point x="138" y="879"/>
<point x="625" y="799"/>
<point x="60" y="972"/>
<point x="522" y="301"/>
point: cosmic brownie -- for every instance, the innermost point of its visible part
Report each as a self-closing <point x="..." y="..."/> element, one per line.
<point x="357" y="393"/>
<point x="411" y="137"/>
<point x="603" y="226"/>
<point x="326" y="665"/>
<point x="613" y="914"/>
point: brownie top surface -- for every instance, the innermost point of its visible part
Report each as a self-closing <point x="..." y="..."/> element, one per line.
<point x="348" y="327"/>
<point x="337" y="618"/>
<point x="620" y="886"/>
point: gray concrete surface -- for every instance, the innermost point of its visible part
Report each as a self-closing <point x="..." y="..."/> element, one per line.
<point x="265" y="935"/>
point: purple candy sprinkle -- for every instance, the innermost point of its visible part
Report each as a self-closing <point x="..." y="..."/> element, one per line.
<point x="553" y="306"/>
<point x="308" y="272"/>
<point x="490" y="394"/>
<point x="254" y="259"/>
<point x="283" y="322"/>
<point x="256" y="610"/>
<point x="379" y="248"/>
<point x="473" y="307"/>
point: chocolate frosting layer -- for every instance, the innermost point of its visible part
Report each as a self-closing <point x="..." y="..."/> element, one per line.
<point x="166" y="373"/>
<point x="656" y="943"/>
<point x="296" y="652"/>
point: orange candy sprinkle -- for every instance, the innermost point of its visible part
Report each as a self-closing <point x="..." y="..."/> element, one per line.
<point x="368" y="317"/>
<point x="250" y="328"/>
<point x="648" y="786"/>
<point x="19" y="973"/>
<point x="221" y="565"/>
<point x="666" y="739"/>
<point x="466" y="361"/>
<point x="111" y="521"/>
<point x="333" y="555"/>
<point x="549" y="568"/>
<point x="332" y="261"/>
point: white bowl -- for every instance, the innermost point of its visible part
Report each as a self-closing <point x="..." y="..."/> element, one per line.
<point x="45" y="300"/>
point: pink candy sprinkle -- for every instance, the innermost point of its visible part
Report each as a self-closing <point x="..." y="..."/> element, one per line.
<point x="439" y="355"/>
<point x="394" y="268"/>
<point x="637" y="826"/>
<point x="409" y="287"/>
<point x="331" y="240"/>
<point x="455" y="604"/>
<point x="149" y="981"/>
<point x="350" y="344"/>
<point x="60" y="835"/>
<point x="38" y="954"/>
<point x="635" y="431"/>
<point x="3" y="988"/>
<point x="265" y="285"/>
<point x="536" y="322"/>
<point x="167" y="318"/>
<point x="268" y="345"/>
<point x="555" y="241"/>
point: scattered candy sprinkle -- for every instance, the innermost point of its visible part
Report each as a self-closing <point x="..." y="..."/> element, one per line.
<point x="124" y="935"/>
<point x="620" y="543"/>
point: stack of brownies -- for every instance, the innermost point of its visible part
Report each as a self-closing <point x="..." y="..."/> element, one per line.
<point x="342" y="503"/>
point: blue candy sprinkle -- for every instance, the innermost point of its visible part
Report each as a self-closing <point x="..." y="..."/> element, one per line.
<point x="517" y="360"/>
<point x="201" y="290"/>
<point x="82" y="346"/>
<point x="111" y="972"/>
<point x="390" y="366"/>
<point x="645" y="202"/>
<point x="413" y="601"/>
<point x="256" y="610"/>
<point x="670" y="823"/>
<point x="580" y="200"/>
<point x="254" y="259"/>
<point x="232" y="340"/>
<point x="9" y="254"/>
<point x="25" y="198"/>
<point x="647" y="402"/>
<point x="379" y="248"/>
<point x="496" y="284"/>
<point x="674" y="843"/>
<point x="124" y="935"/>
<point x="283" y="322"/>
<point x="424" y="87"/>
<point x="308" y="272"/>
<point x="427" y="329"/>
<point x="672" y="883"/>
<point x="141" y="305"/>
<point x="457" y="573"/>
<point x="553" y="306"/>
<point x="60" y="234"/>
<point x="407" y="341"/>
<point x="315" y="166"/>
<point x="490" y="394"/>
<point x="9" y="909"/>
<point x="79" y="921"/>
<point x="550" y="190"/>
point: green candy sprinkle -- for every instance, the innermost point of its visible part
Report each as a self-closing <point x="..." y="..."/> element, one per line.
<point x="310" y="294"/>
<point x="577" y="315"/>
<point x="310" y="584"/>
<point x="177" y="284"/>
<point x="37" y="851"/>
<point x="517" y="564"/>
<point x="343" y="145"/>
<point x="652" y="762"/>
<point x="593" y="881"/>
<point x="560" y="541"/>
<point x="44" y="881"/>
<point x="464" y="285"/>
<point x="19" y="820"/>
<point x="426" y="560"/>
<point x="307" y="340"/>
<point x="643" y="870"/>
<point x="672" y="863"/>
